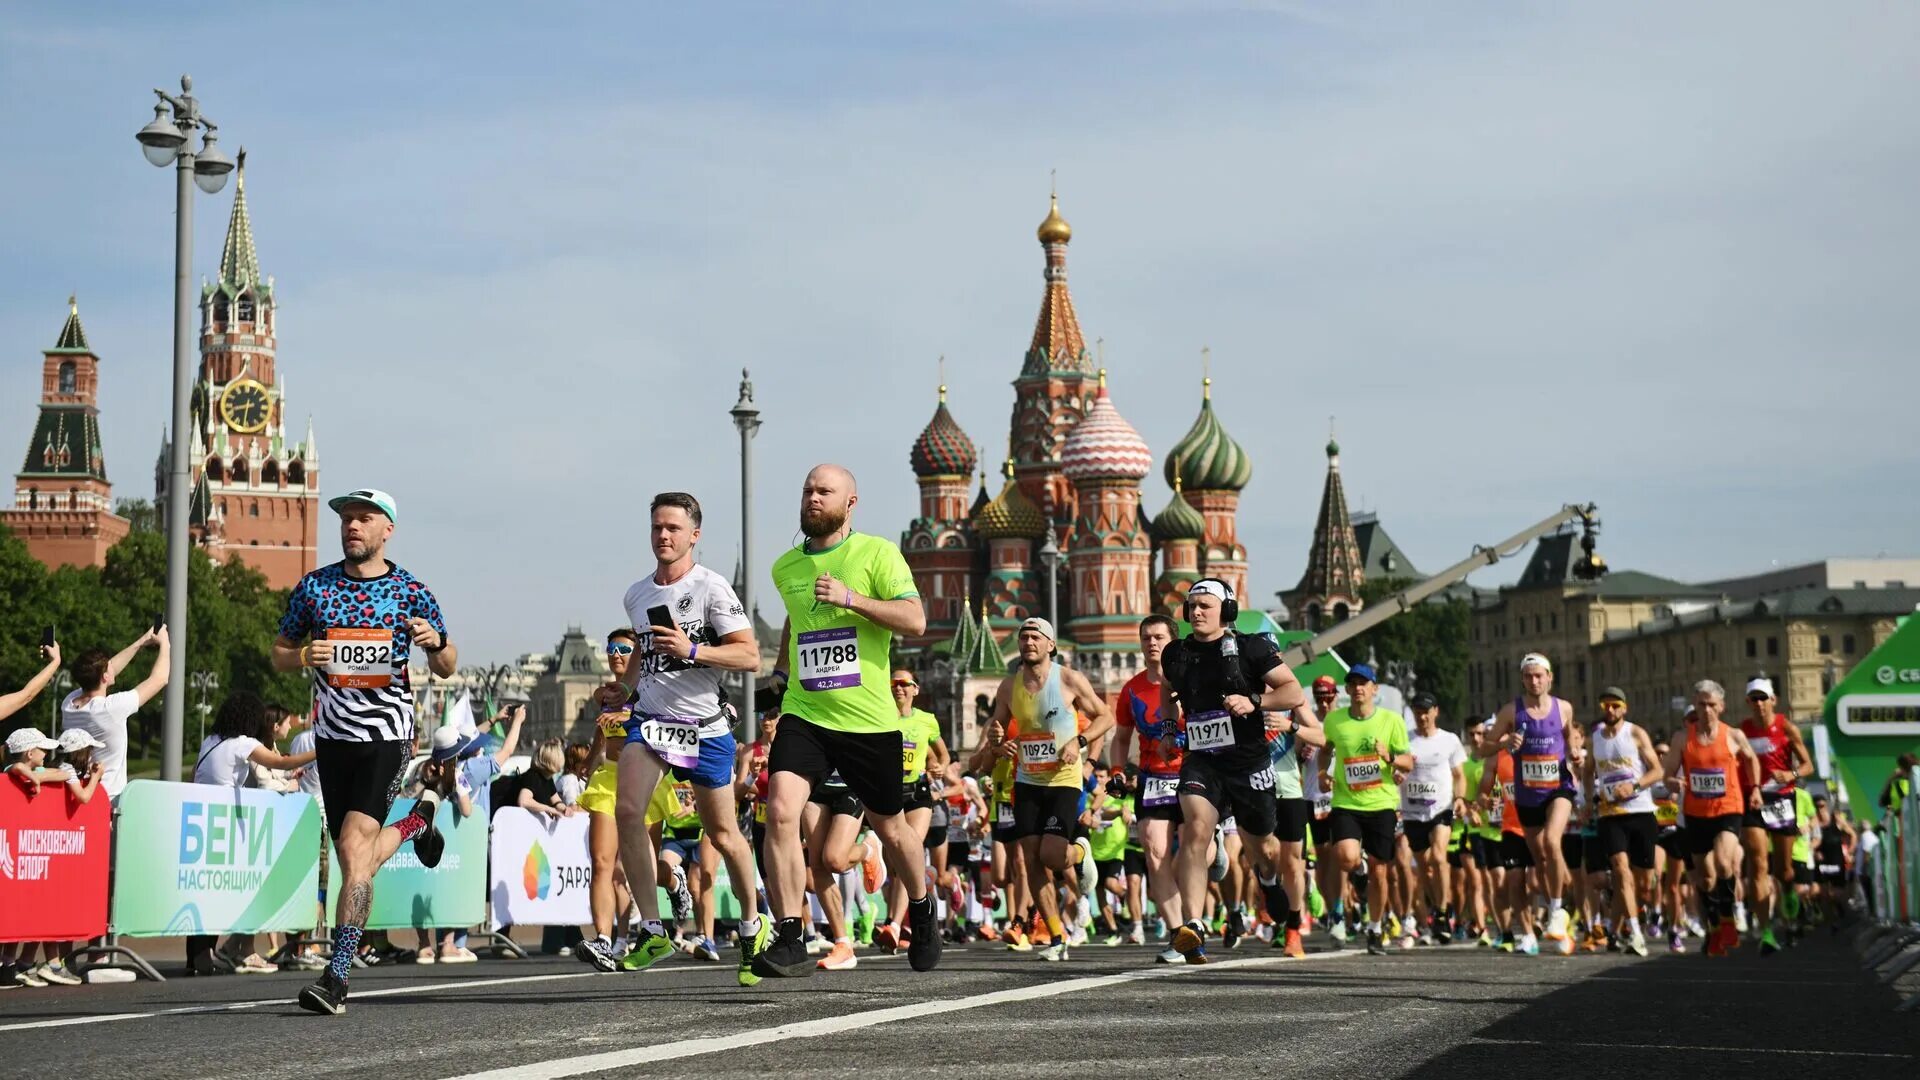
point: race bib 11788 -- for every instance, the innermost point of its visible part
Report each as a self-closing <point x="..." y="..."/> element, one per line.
<point x="828" y="659"/>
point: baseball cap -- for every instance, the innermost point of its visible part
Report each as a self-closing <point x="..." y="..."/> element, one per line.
<point x="26" y="739"/>
<point x="1210" y="587"/>
<point x="1325" y="682"/>
<point x="1613" y="693"/>
<point x="1423" y="701"/>
<point x="1534" y="659"/>
<point x="450" y="742"/>
<point x="1760" y="686"/>
<point x="1361" y="671"/>
<point x="74" y="739"/>
<point x="1042" y="626"/>
<point x="374" y="497"/>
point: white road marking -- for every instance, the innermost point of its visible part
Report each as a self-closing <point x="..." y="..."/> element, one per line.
<point x="620" y="1059"/>
<point x="1704" y="1049"/>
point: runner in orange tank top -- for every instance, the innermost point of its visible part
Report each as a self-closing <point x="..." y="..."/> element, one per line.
<point x="1720" y="776"/>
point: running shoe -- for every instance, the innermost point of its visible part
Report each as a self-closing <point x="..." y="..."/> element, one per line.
<point x="870" y="864"/>
<point x="1218" y="871"/>
<point x="328" y="995"/>
<point x="55" y="971"/>
<point x="1427" y="936"/>
<point x="923" y="950"/>
<point x="1234" y="929"/>
<point x="840" y="959"/>
<point x="1768" y="943"/>
<point x="1017" y="939"/>
<point x="1393" y="925"/>
<point x="30" y="976"/>
<point x="1137" y="935"/>
<point x="681" y="897"/>
<point x="1113" y="940"/>
<point x="1676" y="942"/>
<point x="1189" y="941"/>
<point x="704" y="949"/>
<point x="1528" y="945"/>
<point x="1078" y="935"/>
<point x="1293" y="945"/>
<point x="1485" y="941"/>
<point x="1637" y="943"/>
<point x="458" y="955"/>
<point x="787" y="956"/>
<point x="425" y="956"/>
<point x="1740" y="918"/>
<point x="254" y="964"/>
<point x="1054" y="953"/>
<point x="647" y="950"/>
<point x="1338" y="931"/>
<point x="750" y="948"/>
<point x="886" y="939"/>
<point x="1729" y="937"/>
<point x="10" y="977"/>
<point x="598" y="952"/>
<point x="1407" y="939"/>
<point x="863" y="926"/>
<point x="1089" y="874"/>
<point x="1376" y="943"/>
<point x="1170" y="956"/>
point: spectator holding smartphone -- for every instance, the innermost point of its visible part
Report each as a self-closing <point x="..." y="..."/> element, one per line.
<point x="95" y="709"/>
<point x="19" y="699"/>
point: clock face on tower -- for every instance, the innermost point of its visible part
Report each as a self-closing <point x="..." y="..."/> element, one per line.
<point x="246" y="407"/>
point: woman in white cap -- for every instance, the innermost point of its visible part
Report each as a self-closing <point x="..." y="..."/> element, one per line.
<point x="27" y="750"/>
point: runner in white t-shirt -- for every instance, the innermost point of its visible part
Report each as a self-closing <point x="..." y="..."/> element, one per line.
<point x="1431" y="797"/>
<point x="94" y="709"/>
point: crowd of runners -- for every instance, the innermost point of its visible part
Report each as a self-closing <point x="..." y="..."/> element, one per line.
<point x="1214" y="803"/>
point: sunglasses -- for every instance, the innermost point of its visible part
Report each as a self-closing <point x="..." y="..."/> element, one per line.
<point x="904" y="682"/>
<point x="619" y="650"/>
<point x="1757" y="698"/>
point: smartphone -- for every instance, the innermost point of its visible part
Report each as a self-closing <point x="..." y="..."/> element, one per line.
<point x="158" y="622"/>
<point x="46" y="638"/>
<point x="658" y="615"/>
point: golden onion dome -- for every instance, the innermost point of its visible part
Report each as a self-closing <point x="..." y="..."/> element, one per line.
<point x="1055" y="230"/>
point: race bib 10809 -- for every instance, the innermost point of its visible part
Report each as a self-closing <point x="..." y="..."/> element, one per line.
<point x="362" y="658"/>
<point x="1362" y="771"/>
<point x="828" y="659"/>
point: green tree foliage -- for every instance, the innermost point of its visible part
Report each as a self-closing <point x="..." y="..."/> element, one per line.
<point x="140" y="514"/>
<point x="231" y="619"/>
<point x="1432" y="637"/>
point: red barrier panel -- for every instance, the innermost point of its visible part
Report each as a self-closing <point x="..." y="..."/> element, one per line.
<point x="53" y="863"/>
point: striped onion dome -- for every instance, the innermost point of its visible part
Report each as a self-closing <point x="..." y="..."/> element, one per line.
<point x="942" y="449"/>
<point x="1103" y="446"/>
<point x="1010" y="514"/>
<point x="1179" y="521"/>
<point x="1207" y="457"/>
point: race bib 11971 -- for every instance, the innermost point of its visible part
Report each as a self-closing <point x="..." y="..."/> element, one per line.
<point x="1209" y="731"/>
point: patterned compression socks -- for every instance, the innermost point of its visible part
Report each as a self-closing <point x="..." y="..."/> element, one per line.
<point x="346" y="942"/>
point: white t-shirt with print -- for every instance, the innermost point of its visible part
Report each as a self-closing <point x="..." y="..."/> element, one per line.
<point x="223" y="762"/>
<point x="704" y="606"/>
<point x="105" y="718"/>
<point x="1427" y="791"/>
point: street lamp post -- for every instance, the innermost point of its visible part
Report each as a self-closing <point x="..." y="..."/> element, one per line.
<point x="168" y="141"/>
<point x="746" y="417"/>
<point x="204" y="684"/>
<point x="1050" y="555"/>
<point x="62" y="683"/>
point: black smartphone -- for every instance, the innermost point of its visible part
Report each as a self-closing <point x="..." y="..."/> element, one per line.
<point x="658" y="615"/>
<point x="46" y="638"/>
<point x="158" y="622"/>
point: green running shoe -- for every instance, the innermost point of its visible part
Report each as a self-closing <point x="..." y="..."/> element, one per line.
<point x="863" y="926"/>
<point x="1316" y="904"/>
<point x="753" y="948"/>
<point x="646" y="952"/>
<point x="1768" y="943"/>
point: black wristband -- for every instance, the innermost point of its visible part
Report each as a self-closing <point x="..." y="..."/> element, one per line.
<point x="441" y="647"/>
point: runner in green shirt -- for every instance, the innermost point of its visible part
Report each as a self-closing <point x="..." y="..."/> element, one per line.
<point x="1370" y="753"/>
<point x="846" y="595"/>
<point x="923" y="758"/>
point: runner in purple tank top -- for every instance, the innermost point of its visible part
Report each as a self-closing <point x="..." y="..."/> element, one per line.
<point x="1539" y="730"/>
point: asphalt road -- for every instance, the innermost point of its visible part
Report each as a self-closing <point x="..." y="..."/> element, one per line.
<point x="1430" y="1013"/>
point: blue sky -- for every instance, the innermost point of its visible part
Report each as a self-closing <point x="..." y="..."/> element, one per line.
<point x="1657" y="258"/>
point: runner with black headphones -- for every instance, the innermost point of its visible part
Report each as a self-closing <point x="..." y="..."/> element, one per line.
<point x="1236" y="694"/>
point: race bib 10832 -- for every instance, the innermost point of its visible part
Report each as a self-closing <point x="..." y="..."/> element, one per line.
<point x="362" y="658"/>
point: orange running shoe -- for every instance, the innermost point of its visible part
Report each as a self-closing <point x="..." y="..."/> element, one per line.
<point x="870" y="866"/>
<point x="987" y="932"/>
<point x="1295" y="947"/>
<point x="886" y="938"/>
<point x="1017" y="939"/>
<point x="840" y="959"/>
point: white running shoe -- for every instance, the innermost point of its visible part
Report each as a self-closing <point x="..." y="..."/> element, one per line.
<point x="1137" y="936"/>
<point x="1054" y="953"/>
<point x="1407" y="940"/>
<point x="1637" y="944"/>
<point x="1338" y="931"/>
<point x="1170" y="956"/>
<point x="1557" y="924"/>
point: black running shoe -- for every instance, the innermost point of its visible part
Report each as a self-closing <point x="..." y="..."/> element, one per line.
<point x="428" y="844"/>
<point x="1235" y="929"/>
<point x="786" y="957"/>
<point x="328" y="995"/>
<point x="1376" y="943"/>
<point x="923" y="952"/>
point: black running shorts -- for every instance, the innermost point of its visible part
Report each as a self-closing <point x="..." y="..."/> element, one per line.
<point x="1245" y="796"/>
<point x="1045" y="811"/>
<point x="1290" y="819"/>
<point x="1629" y="833"/>
<point x="1420" y="833"/>
<point x="358" y="777"/>
<point x="1373" y="828"/>
<point x="868" y="761"/>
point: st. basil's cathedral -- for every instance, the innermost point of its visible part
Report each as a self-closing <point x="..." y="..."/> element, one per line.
<point x="1074" y="472"/>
